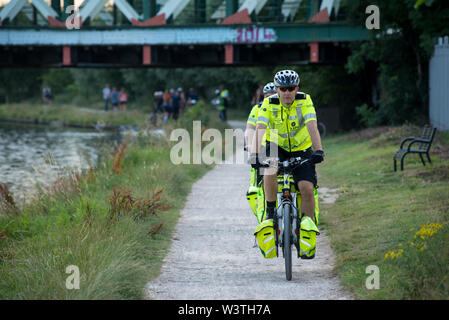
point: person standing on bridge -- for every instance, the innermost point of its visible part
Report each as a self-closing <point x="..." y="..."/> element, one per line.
<point x="292" y="131"/>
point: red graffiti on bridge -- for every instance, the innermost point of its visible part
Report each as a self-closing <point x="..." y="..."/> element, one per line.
<point x="255" y="35"/>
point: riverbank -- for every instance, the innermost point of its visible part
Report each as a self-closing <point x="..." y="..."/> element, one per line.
<point x="395" y="221"/>
<point x="113" y="224"/>
<point x="71" y="116"/>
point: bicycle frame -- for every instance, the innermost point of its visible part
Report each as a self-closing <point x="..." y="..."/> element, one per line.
<point x="286" y="197"/>
<point x="287" y="214"/>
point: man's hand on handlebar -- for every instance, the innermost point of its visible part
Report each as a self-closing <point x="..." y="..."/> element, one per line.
<point x="253" y="160"/>
<point x="317" y="156"/>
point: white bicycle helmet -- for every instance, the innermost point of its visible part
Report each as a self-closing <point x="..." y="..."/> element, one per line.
<point x="286" y="78"/>
<point x="269" y="88"/>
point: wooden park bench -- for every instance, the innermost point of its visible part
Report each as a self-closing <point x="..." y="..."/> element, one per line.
<point x="423" y="145"/>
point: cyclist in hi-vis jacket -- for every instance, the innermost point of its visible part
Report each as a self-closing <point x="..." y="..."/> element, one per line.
<point x="288" y="121"/>
<point x="268" y="90"/>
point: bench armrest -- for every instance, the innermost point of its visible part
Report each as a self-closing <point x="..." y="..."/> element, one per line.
<point x="417" y="140"/>
<point x="405" y="140"/>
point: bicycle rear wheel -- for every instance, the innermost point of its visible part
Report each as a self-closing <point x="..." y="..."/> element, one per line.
<point x="287" y="242"/>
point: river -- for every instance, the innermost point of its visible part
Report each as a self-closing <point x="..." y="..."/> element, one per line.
<point x="31" y="155"/>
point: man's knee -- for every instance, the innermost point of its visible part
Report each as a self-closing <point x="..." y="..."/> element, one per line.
<point x="306" y="189"/>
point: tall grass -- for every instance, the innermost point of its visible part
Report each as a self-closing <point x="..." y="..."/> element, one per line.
<point x="379" y="212"/>
<point x="114" y="222"/>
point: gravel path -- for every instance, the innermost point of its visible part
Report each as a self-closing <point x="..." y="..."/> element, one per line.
<point x="213" y="254"/>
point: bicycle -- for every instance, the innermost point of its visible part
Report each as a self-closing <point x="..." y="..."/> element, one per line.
<point x="287" y="221"/>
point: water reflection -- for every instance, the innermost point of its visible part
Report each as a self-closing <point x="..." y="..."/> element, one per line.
<point x="31" y="154"/>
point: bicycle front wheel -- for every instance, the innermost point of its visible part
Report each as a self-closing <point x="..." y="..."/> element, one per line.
<point x="287" y="242"/>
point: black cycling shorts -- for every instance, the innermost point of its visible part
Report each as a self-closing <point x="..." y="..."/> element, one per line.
<point x="300" y="173"/>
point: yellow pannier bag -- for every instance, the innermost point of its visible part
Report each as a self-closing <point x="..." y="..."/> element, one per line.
<point x="265" y="236"/>
<point x="307" y="240"/>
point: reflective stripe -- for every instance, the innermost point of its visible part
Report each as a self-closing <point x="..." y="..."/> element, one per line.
<point x="310" y="116"/>
<point x="271" y="249"/>
<point x="305" y="243"/>
<point x="299" y="114"/>
<point x="262" y="119"/>
<point x="268" y="239"/>
<point x="292" y="118"/>
<point x="283" y="135"/>
<point x="293" y="133"/>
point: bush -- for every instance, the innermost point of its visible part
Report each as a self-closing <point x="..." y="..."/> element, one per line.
<point x="368" y="116"/>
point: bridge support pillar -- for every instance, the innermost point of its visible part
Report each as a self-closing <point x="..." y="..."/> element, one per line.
<point x="146" y="55"/>
<point x="66" y="56"/>
<point x="314" y="52"/>
<point x="229" y="54"/>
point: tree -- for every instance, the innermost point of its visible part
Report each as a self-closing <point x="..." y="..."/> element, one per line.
<point x="401" y="49"/>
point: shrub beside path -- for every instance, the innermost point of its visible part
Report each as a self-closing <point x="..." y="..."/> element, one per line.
<point x="213" y="255"/>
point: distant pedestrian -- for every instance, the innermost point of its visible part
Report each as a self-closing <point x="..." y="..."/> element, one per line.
<point x="114" y="98"/>
<point x="192" y="97"/>
<point x="167" y="105"/>
<point x="106" y="96"/>
<point x="182" y="100"/>
<point x="123" y="97"/>
<point x="224" y="103"/>
<point x="46" y="95"/>
<point x="176" y="103"/>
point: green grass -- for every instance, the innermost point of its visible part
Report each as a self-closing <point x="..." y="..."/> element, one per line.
<point x="70" y="115"/>
<point x="379" y="211"/>
<point x="105" y="221"/>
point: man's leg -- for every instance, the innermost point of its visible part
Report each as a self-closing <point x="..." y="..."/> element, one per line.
<point x="307" y="198"/>
<point x="270" y="186"/>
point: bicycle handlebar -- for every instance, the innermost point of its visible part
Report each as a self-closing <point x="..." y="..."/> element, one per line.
<point x="287" y="164"/>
